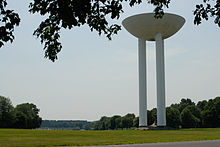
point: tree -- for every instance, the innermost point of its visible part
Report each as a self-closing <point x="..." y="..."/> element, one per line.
<point x="211" y="113"/>
<point x="75" y="13"/>
<point x="118" y="124"/>
<point x="127" y="121"/>
<point x="201" y="104"/>
<point x="172" y="117"/>
<point x="7" y="113"/>
<point x="21" y="120"/>
<point x="136" y="122"/>
<point x="113" y="122"/>
<point x="191" y="117"/>
<point x="184" y="103"/>
<point x="207" y="9"/>
<point x="195" y="111"/>
<point x="29" y="113"/>
<point x="23" y="116"/>
<point x="97" y="125"/>
<point x="176" y="106"/>
<point x="103" y="123"/>
<point x="8" y="21"/>
<point x="151" y="116"/>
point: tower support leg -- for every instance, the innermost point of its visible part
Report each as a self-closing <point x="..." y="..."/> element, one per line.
<point x="161" y="110"/>
<point x="142" y="83"/>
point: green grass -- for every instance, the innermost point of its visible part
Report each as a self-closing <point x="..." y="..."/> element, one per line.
<point x="16" y="137"/>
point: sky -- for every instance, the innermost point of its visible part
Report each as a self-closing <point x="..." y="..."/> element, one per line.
<point x="95" y="77"/>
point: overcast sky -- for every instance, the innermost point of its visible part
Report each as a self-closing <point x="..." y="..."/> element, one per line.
<point x="96" y="77"/>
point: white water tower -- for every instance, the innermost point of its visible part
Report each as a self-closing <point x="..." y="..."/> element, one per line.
<point x="147" y="28"/>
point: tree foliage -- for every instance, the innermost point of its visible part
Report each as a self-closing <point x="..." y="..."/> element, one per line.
<point x="8" y="20"/>
<point x="22" y="116"/>
<point x="21" y="120"/>
<point x="191" y="117"/>
<point x="183" y="104"/>
<point x="151" y="116"/>
<point x="173" y="117"/>
<point x="136" y="122"/>
<point x="116" y="122"/>
<point x="201" y="105"/>
<point x="211" y="113"/>
<point x="94" y="13"/>
<point x="113" y="123"/>
<point x="127" y="120"/>
<point x="28" y="113"/>
<point x="207" y="9"/>
<point x="7" y="113"/>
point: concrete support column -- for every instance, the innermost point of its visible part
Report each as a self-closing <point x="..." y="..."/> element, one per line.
<point x="142" y="83"/>
<point x="161" y="109"/>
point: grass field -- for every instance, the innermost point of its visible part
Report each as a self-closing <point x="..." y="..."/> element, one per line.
<point x="16" y="137"/>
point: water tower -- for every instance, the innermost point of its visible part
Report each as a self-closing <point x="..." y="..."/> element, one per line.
<point x="147" y="28"/>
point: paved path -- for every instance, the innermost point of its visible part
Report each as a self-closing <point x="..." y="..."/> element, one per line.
<point x="208" y="143"/>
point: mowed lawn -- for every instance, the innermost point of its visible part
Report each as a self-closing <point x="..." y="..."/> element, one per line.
<point x="16" y="137"/>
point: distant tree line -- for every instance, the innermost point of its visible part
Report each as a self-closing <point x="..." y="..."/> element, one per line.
<point x="66" y="124"/>
<point x="25" y="116"/>
<point x="185" y="114"/>
<point x="116" y="122"/>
